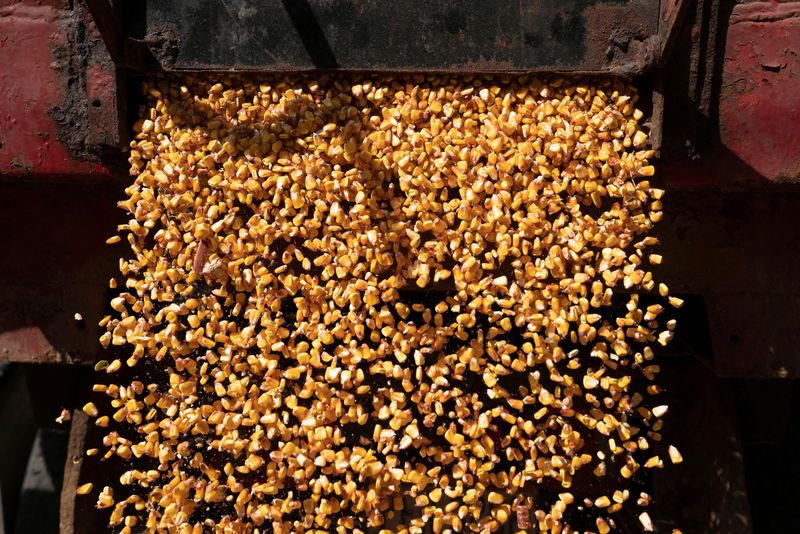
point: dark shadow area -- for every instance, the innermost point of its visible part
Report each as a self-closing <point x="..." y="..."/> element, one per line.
<point x="33" y="445"/>
<point x="706" y="493"/>
<point x="55" y="265"/>
<point x="693" y="337"/>
<point x="739" y="252"/>
<point x="39" y="499"/>
<point x="18" y="432"/>
<point x="310" y="33"/>
<point x="770" y="426"/>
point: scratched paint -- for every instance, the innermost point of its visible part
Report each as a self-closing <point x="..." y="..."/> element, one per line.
<point x="760" y="100"/>
<point x="35" y="50"/>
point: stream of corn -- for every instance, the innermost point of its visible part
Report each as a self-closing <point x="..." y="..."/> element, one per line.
<point x="385" y="304"/>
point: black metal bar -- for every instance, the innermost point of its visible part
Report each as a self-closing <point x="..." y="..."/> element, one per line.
<point x="109" y="26"/>
<point x="310" y="32"/>
<point x="468" y="36"/>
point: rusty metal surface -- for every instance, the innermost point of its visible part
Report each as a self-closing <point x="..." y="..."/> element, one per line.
<point x="46" y="127"/>
<point x="104" y="93"/>
<point x="673" y="14"/>
<point x="72" y="473"/>
<point x="729" y="91"/>
<point x="760" y="94"/>
<point x="618" y="36"/>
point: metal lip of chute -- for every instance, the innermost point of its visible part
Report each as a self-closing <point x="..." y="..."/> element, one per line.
<point x="472" y="36"/>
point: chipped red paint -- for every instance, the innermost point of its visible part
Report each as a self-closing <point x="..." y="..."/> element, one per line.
<point x="760" y="97"/>
<point x="29" y="344"/>
<point x="34" y="51"/>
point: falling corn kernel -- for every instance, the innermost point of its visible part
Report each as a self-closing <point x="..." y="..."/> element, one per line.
<point x="90" y="409"/>
<point x="660" y="411"/>
<point x="647" y="523"/>
<point x="675" y="455"/>
<point x="64" y="416"/>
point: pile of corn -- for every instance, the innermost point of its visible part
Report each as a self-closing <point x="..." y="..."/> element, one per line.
<point x="380" y="304"/>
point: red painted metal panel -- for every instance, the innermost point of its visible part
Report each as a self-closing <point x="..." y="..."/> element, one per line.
<point x="36" y="48"/>
<point x="54" y="264"/>
<point x="760" y="97"/>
